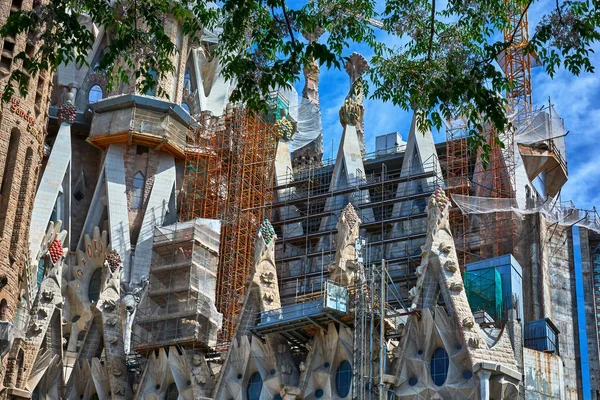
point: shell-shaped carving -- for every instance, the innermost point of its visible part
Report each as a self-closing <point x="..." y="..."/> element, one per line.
<point x="457" y="286"/>
<point x="268" y="297"/>
<point x="112" y="340"/>
<point x="111" y="321"/>
<point x="451" y="266"/>
<point x="110" y="305"/>
<point x="47" y="295"/>
<point x="267" y="277"/>
<point x="468" y="322"/>
<point x="474" y="343"/>
<point x="36" y="328"/>
<point x="42" y="314"/>
<point x="420" y="270"/>
<point x="412" y="293"/>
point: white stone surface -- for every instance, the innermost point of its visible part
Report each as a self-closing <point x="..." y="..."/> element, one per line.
<point x="213" y="90"/>
<point x="158" y="203"/>
<point x="118" y="216"/>
<point x="56" y="175"/>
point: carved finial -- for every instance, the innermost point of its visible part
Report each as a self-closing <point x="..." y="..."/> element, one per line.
<point x="113" y="259"/>
<point x="350" y="215"/>
<point x="356" y="66"/>
<point x="439" y="199"/>
<point x="67" y="112"/>
<point x="284" y="129"/>
<point x="267" y="231"/>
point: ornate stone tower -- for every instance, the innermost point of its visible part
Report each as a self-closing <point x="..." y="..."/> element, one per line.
<point x="22" y="129"/>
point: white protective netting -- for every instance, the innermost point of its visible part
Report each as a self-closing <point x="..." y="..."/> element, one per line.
<point x="553" y="211"/>
<point x="543" y="124"/>
<point x="306" y="113"/>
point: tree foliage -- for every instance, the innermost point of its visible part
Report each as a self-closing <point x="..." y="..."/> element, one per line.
<point x="444" y="62"/>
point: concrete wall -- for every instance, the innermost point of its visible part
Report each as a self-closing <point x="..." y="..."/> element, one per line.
<point x="544" y="377"/>
<point x="590" y="313"/>
<point x="557" y="260"/>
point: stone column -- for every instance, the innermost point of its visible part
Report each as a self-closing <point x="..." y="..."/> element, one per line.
<point x="484" y="383"/>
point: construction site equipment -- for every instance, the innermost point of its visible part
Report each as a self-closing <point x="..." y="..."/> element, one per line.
<point x="229" y="176"/>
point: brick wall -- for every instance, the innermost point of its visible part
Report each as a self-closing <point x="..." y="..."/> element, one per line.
<point x="19" y="168"/>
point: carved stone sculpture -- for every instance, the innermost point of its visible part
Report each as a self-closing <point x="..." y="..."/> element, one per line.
<point x="265" y="273"/>
<point x="342" y="269"/>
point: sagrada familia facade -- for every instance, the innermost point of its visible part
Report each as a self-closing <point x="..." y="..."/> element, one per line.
<point x="359" y="284"/>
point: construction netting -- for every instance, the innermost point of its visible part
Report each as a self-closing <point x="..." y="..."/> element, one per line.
<point x="540" y="125"/>
<point x="306" y="113"/>
<point x="180" y="304"/>
<point x="565" y="214"/>
<point x="483" y="288"/>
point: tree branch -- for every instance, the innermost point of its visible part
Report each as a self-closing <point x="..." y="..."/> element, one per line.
<point x="287" y="22"/>
<point x="432" y="30"/>
<point x="559" y="13"/>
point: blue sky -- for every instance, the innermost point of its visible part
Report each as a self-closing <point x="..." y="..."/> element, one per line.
<point x="577" y="101"/>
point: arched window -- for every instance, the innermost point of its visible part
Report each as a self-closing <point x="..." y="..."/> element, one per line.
<point x="152" y="90"/>
<point x="94" y="286"/>
<point x="254" y="386"/>
<point x="95" y="94"/>
<point x="172" y="392"/>
<point x="9" y="178"/>
<point x="186" y="108"/>
<point x="11" y="157"/>
<point x="187" y="81"/>
<point x="439" y="366"/>
<point x="138" y="191"/>
<point x="23" y="193"/>
<point x="343" y="379"/>
<point x="16" y="5"/>
<point x="4" y="310"/>
<point x="20" y="366"/>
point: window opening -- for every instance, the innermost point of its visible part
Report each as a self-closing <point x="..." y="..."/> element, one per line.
<point x="138" y="191"/>
<point x="439" y="366"/>
<point x="152" y="90"/>
<point x="254" y="386"/>
<point x="343" y="379"/>
<point x="16" y="5"/>
<point x="172" y="392"/>
<point x="95" y="94"/>
<point x="94" y="287"/>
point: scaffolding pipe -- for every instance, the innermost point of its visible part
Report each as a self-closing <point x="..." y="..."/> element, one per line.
<point x="371" y="329"/>
<point x="382" y="331"/>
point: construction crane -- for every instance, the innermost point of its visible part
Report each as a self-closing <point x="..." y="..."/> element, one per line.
<point x="515" y="62"/>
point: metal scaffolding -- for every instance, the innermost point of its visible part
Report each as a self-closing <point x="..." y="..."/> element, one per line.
<point x="179" y="307"/>
<point x="393" y="220"/>
<point x="483" y="236"/>
<point x="229" y="176"/>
